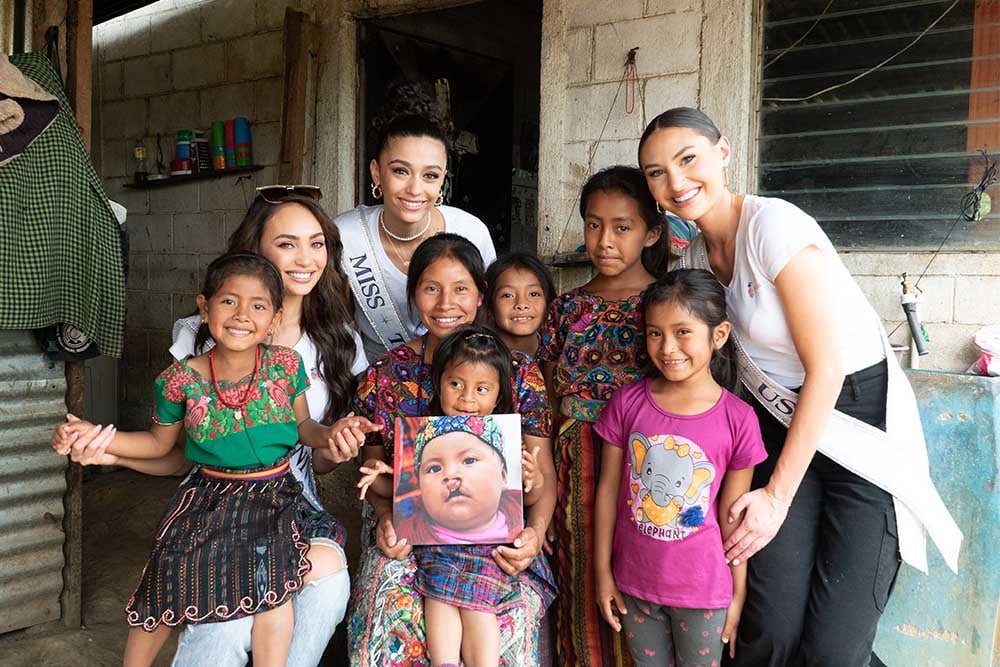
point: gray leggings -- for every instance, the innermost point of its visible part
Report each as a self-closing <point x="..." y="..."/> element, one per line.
<point x="664" y="636"/>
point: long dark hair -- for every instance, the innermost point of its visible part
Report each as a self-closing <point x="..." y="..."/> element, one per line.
<point x="438" y="247"/>
<point x="527" y="261"/>
<point x="408" y="111"/>
<point x="693" y="119"/>
<point x="698" y="292"/>
<point x="327" y="311"/>
<point x="232" y="264"/>
<point x="475" y="344"/>
<point x="631" y="182"/>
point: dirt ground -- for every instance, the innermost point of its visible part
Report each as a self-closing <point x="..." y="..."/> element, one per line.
<point x="121" y="510"/>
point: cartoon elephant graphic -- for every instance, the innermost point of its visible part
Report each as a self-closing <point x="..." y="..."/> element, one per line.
<point x="671" y="477"/>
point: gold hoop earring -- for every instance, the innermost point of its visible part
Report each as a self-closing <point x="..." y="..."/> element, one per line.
<point x="376" y="191"/>
<point x="440" y="199"/>
<point x="658" y="209"/>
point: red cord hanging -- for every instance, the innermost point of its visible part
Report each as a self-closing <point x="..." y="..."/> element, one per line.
<point x="631" y="80"/>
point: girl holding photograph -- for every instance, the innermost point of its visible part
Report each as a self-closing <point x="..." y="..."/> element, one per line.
<point x="462" y="474"/>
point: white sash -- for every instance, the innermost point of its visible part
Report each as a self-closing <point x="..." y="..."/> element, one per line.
<point x="367" y="282"/>
<point x="895" y="460"/>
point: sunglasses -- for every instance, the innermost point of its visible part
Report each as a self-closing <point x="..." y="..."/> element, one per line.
<point x="275" y="194"/>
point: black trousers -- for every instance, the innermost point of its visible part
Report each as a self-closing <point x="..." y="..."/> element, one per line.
<point x="816" y="592"/>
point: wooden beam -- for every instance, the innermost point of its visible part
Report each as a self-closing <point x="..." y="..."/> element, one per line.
<point x="74" y="19"/>
<point x="298" y="49"/>
<point x="79" y="73"/>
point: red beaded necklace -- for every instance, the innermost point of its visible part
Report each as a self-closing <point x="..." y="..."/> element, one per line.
<point x="238" y="405"/>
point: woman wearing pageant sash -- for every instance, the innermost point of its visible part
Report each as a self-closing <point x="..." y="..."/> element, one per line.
<point x="838" y="503"/>
<point x="408" y="172"/>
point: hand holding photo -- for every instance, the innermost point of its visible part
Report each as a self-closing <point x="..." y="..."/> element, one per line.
<point x="458" y="480"/>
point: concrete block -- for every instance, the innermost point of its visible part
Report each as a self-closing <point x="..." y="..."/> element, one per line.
<point x="116" y="159"/>
<point x="182" y="304"/>
<point x="174" y="273"/>
<point x="176" y="111"/>
<point x="226" y="193"/>
<point x="109" y="81"/>
<point x="149" y="233"/>
<point x="951" y="347"/>
<point x="267" y="95"/>
<point x="587" y="107"/>
<point x="147" y="76"/>
<point x="592" y="12"/>
<point x="136" y="201"/>
<point x="147" y="309"/>
<point x="667" y="92"/>
<point x="202" y="233"/>
<point x="124" y="38"/>
<point x="667" y="44"/>
<point x="937" y="303"/>
<point x="958" y="263"/>
<point x="174" y="199"/>
<point x="174" y="29"/>
<point x="888" y="263"/>
<point x="255" y="57"/>
<point x="138" y="270"/>
<point x="977" y="299"/>
<point x="580" y="45"/>
<point x="159" y="347"/>
<point x="198" y="67"/>
<point x="135" y="348"/>
<point x="231" y="220"/>
<point x="126" y="118"/>
<point x="654" y="7"/>
<point x="271" y="14"/>
<point x="225" y="19"/>
<point x="610" y="153"/>
<point x="266" y="143"/>
<point x="224" y="102"/>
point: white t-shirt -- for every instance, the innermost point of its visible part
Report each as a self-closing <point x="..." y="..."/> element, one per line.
<point x="317" y="395"/>
<point x="456" y="221"/>
<point x="771" y="232"/>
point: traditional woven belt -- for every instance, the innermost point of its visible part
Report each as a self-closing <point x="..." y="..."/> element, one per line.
<point x="257" y="473"/>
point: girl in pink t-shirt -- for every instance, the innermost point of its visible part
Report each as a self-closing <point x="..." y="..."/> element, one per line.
<point x="682" y="452"/>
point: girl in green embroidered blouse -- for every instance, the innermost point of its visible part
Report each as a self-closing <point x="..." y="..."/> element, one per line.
<point x="219" y="398"/>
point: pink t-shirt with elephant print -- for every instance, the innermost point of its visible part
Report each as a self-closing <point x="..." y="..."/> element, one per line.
<point x="668" y="546"/>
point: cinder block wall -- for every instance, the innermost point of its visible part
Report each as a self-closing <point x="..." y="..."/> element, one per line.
<point x="180" y="64"/>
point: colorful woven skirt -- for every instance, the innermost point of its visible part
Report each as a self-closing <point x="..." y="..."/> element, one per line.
<point x="232" y="544"/>
<point x="467" y="576"/>
<point x="581" y="637"/>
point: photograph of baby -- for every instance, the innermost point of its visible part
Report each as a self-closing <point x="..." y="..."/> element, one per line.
<point x="458" y="480"/>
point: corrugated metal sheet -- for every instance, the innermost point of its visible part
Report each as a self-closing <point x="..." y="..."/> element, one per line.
<point x="32" y="484"/>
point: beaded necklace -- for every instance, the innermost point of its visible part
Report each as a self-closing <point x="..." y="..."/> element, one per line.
<point x="238" y="405"/>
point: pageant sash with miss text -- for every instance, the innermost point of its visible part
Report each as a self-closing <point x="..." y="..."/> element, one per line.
<point x="368" y="283"/>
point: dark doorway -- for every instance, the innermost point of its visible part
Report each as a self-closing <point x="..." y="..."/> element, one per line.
<point x="487" y="56"/>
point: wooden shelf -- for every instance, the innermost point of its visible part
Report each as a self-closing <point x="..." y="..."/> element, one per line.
<point x="568" y="259"/>
<point x="177" y="180"/>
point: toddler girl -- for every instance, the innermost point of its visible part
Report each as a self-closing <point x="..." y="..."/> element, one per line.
<point x="680" y="451"/>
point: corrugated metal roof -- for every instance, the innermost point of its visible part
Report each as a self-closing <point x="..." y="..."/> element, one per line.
<point x="32" y="483"/>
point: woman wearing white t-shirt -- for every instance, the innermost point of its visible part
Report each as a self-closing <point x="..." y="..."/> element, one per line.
<point x="407" y="172"/>
<point x="823" y="540"/>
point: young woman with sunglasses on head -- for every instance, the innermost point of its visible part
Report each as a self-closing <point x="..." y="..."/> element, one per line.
<point x="407" y="175"/>
<point x="287" y="225"/>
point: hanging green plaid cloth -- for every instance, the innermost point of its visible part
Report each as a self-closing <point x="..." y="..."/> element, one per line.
<point x="60" y="249"/>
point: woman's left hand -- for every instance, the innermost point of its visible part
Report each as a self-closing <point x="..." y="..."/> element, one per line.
<point x="514" y="560"/>
<point x="761" y="523"/>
